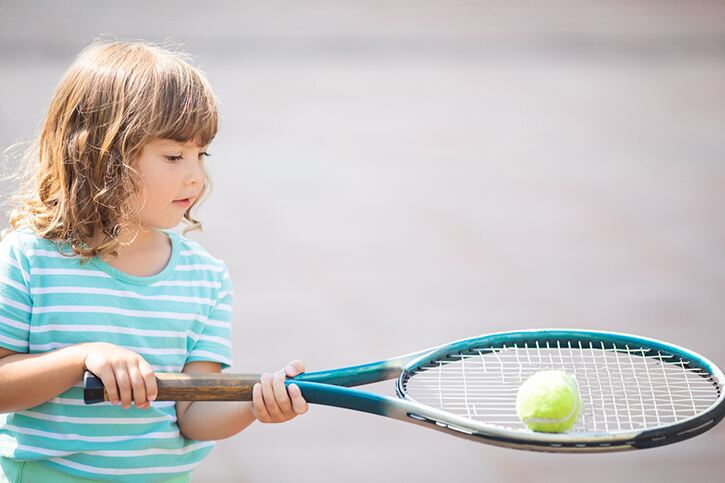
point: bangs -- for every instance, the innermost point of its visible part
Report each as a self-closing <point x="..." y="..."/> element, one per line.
<point x="185" y="106"/>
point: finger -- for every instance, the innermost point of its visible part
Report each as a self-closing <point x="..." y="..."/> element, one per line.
<point x="269" y="400"/>
<point x="281" y="396"/>
<point x="295" y="367"/>
<point x="149" y="380"/>
<point x="138" y="384"/>
<point x="260" y="409"/>
<point x="124" y="386"/>
<point x="109" y="382"/>
<point x="299" y="405"/>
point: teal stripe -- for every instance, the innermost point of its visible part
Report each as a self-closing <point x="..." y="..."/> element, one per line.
<point x="105" y="411"/>
<point x="50" y="302"/>
<point x="160" y="460"/>
<point x="98" y="429"/>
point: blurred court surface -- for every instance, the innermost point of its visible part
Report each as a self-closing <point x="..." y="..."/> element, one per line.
<point x="391" y="175"/>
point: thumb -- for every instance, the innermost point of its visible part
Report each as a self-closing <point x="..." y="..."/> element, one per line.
<point x="294" y="368"/>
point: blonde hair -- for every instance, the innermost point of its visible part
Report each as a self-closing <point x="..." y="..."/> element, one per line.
<point x="115" y="98"/>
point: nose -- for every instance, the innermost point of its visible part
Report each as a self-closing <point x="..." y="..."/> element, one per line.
<point x="195" y="174"/>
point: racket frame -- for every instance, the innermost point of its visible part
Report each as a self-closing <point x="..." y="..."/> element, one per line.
<point x="317" y="388"/>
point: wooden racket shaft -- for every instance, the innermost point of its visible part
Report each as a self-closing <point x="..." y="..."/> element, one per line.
<point x="185" y="387"/>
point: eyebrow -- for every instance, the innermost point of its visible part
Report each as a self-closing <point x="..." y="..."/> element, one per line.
<point x="167" y="143"/>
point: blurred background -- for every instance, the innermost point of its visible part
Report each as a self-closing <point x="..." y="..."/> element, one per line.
<point x="390" y="175"/>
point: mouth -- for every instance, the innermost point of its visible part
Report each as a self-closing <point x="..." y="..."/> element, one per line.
<point x="183" y="203"/>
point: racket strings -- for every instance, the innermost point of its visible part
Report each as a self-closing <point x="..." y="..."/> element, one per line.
<point x="622" y="388"/>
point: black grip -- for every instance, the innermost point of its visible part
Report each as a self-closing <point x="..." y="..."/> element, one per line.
<point x="93" y="390"/>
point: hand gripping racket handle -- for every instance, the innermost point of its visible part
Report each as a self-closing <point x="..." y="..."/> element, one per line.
<point x="184" y="387"/>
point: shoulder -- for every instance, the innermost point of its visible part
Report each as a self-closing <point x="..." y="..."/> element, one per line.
<point x="24" y="242"/>
<point x="192" y="253"/>
<point x="20" y="252"/>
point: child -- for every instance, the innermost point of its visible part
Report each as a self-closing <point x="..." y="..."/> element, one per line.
<point x="92" y="278"/>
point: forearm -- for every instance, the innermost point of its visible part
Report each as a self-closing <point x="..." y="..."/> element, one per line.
<point x="213" y="420"/>
<point x="27" y="380"/>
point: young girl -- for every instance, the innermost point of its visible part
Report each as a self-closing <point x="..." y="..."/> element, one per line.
<point x="92" y="278"/>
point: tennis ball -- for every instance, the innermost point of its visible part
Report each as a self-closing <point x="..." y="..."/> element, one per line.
<point x="549" y="401"/>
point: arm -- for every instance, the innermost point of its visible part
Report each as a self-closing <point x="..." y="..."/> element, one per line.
<point x="28" y="380"/>
<point x="213" y="420"/>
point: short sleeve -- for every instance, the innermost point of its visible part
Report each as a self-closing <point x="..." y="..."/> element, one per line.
<point x="215" y="342"/>
<point x="16" y="305"/>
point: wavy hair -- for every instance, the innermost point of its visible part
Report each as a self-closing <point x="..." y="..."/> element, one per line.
<point x="115" y="98"/>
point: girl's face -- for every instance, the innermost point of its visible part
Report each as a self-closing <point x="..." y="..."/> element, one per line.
<point x="173" y="177"/>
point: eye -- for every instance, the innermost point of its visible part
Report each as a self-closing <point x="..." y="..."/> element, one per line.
<point x="204" y="154"/>
<point x="173" y="159"/>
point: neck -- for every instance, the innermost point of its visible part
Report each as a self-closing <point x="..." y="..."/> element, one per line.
<point x="132" y="242"/>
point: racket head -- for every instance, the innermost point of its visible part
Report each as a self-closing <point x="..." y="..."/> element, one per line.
<point x="636" y="392"/>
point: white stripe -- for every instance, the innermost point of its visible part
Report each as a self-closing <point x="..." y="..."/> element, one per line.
<point x="201" y="253"/>
<point x="95" y="439"/>
<point x="13" y="303"/>
<point x="224" y="307"/>
<point x="14" y="323"/>
<point x="188" y="268"/>
<point x="225" y="324"/>
<point x="17" y="342"/>
<point x="152" y="451"/>
<point x="126" y="471"/>
<point x="70" y="419"/>
<point x="166" y="368"/>
<point x="109" y="453"/>
<point x="212" y="356"/>
<point x="115" y="310"/>
<point x="211" y="338"/>
<point x="51" y="253"/>
<point x="121" y="293"/>
<point x="14" y="447"/>
<point x="14" y="284"/>
<point x="69" y="271"/>
<point x="186" y="283"/>
<point x="139" y="350"/>
<point x="108" y="328"/>
<point x="10" y="261"/>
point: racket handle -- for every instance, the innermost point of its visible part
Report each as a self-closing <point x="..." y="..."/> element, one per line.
<point x="184" y="387"/>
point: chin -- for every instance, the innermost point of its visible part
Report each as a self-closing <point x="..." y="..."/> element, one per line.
<point x="165" y="224"/>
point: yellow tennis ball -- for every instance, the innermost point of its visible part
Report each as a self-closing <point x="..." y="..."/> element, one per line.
<point x="549" y="401"/>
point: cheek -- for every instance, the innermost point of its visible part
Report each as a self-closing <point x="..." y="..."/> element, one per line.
<point x="159" y="186"/>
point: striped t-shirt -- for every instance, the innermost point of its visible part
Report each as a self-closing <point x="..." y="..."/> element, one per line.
<point x="49" y="301"/>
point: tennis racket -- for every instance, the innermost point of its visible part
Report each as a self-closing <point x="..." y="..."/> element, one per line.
<point x="636" y="392"/>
